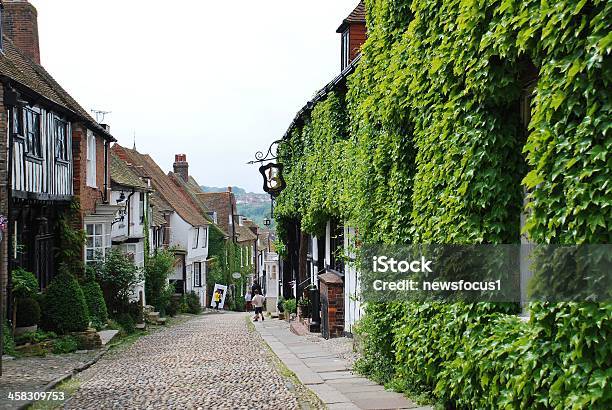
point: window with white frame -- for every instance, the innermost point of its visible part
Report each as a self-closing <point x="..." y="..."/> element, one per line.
<point x="197" y="274"/>
<point x="91" y="159"/>
<point x="196" y="236"/>
<point x="204" y="239"/>
<point x="97" y="242"/>
<point x="241" y="258"/>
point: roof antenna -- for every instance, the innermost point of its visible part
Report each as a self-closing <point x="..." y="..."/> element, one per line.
<point x="100" y="115"/>
<point x="134" y="141"/>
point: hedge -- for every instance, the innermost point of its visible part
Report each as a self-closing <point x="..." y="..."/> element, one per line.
<point x="428" y="146"/>
<point x="64" y="307"/>
<point x="96" y="306"/>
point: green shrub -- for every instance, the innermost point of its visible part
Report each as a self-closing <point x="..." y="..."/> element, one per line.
<point x="238" y="303"/>
<point x="290" y="306"/>
<point x="95" y="304"/>
<point x="28" y="312"/>
<point x="25" y="284"/>
<point x="192" y="303"/>
<point x="34" y="337"/>
<point x="174" y="306"/>
<point x="157" y="269"/>
<point x="117" y="276"/>
<point x="126" y="321"/>
<point x="8" y="342"/>
<point x="65" y="309"/>
<point x="66" y="344"/>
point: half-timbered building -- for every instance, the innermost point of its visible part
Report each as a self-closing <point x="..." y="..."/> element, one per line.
<point x="48" y="148"/>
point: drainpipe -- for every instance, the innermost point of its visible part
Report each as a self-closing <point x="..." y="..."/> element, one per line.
<point x="128" y="208"/>
<point x="105" y="195"/>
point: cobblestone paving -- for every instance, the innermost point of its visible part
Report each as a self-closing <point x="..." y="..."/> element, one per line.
<point x="212" y="361"/>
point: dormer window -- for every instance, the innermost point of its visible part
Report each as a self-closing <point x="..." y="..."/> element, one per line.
<point x="345" y="48"/>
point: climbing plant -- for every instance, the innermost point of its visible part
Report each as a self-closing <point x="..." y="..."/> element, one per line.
<point x="429" y="145"/>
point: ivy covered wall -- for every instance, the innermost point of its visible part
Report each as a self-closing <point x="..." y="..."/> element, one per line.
<point x="428" y="145"/>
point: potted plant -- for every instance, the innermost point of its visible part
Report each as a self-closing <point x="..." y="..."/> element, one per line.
<point x="304" y="307"/>
<point x="25" y="287"/>
<point x="281" y="308"/>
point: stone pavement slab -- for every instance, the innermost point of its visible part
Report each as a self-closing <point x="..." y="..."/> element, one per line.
<point x="107" y="335"/>
<point x="329" y="376"/>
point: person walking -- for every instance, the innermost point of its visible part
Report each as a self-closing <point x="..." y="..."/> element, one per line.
<point x="258" y="302"/>
<point x="248" y="298"/>
<point x="217" y="298"/>
<point x="256" y="288"/>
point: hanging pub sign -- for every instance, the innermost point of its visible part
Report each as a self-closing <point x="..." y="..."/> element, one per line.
<point x="274" y="182"/>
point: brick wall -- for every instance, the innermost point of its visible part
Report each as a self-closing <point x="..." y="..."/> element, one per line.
<point x="88" y="196"/>
<point x="20" y="24"/>
<point x="333" y="287"/>
<point x="3" y="202"/>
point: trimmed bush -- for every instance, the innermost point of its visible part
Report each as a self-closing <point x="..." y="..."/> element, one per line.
<point x="65" y="309"/>
<point x="28" y="312"/>
<point x="25" y="284"/>
<point x="95" y="304"/>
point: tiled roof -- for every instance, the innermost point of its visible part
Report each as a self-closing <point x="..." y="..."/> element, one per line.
<point x="193" y="189"/>
<point x="122" y="174"/>
<point x="357" y="16"/>
<point x="221" y="203"/>
<point x="170" y="192"/>
<point x="160" y="207"/>
<point x="244" y="234"/>
<point x="25" y="73"/>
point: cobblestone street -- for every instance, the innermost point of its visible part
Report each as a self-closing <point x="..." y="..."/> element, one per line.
<point x="212" y="361"/>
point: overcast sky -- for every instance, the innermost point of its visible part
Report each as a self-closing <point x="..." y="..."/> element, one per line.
<point x="217" y="80"/>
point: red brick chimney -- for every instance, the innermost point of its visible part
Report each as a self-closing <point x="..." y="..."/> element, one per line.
<point x="181" y="166"/>
<point x="20" y="24"/>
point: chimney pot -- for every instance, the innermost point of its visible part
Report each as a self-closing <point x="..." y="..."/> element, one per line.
<point x="229" y="189"/>
<point x="20" y="24"/>
<point x="181" y="167"/>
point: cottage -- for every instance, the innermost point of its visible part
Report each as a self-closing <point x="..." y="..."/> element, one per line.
<point x="184" y="229"/>
<point x="130" y="227"/>
<point x="54" y="153"/>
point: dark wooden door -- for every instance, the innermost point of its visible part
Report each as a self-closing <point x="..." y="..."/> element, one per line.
<point x="44" y="261"/>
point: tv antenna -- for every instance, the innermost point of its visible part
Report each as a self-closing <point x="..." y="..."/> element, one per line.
<point x="100" y="115"/>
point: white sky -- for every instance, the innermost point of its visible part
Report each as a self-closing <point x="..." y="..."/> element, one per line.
<point x="217" y="80"/>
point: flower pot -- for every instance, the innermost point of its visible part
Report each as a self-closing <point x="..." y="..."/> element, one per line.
<point x="21" y="330"/>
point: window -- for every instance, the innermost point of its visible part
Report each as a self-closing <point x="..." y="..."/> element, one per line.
<point x="91" y="159"/>
<point x="345" y="49"/>
<point x="96" y="242"/>
<point x="130" y="251"/>
<point x="273" y="272"/>
<point x="141" y="209"/>
<point x="18" y="121"/>
<point x="196" y="236"/>
<point x="32" y="133"/>
<point x="197" y="274"/>
<point x="61" y="140"/>
<point x="241" y="258"/>
<point x="204" y="237"/>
